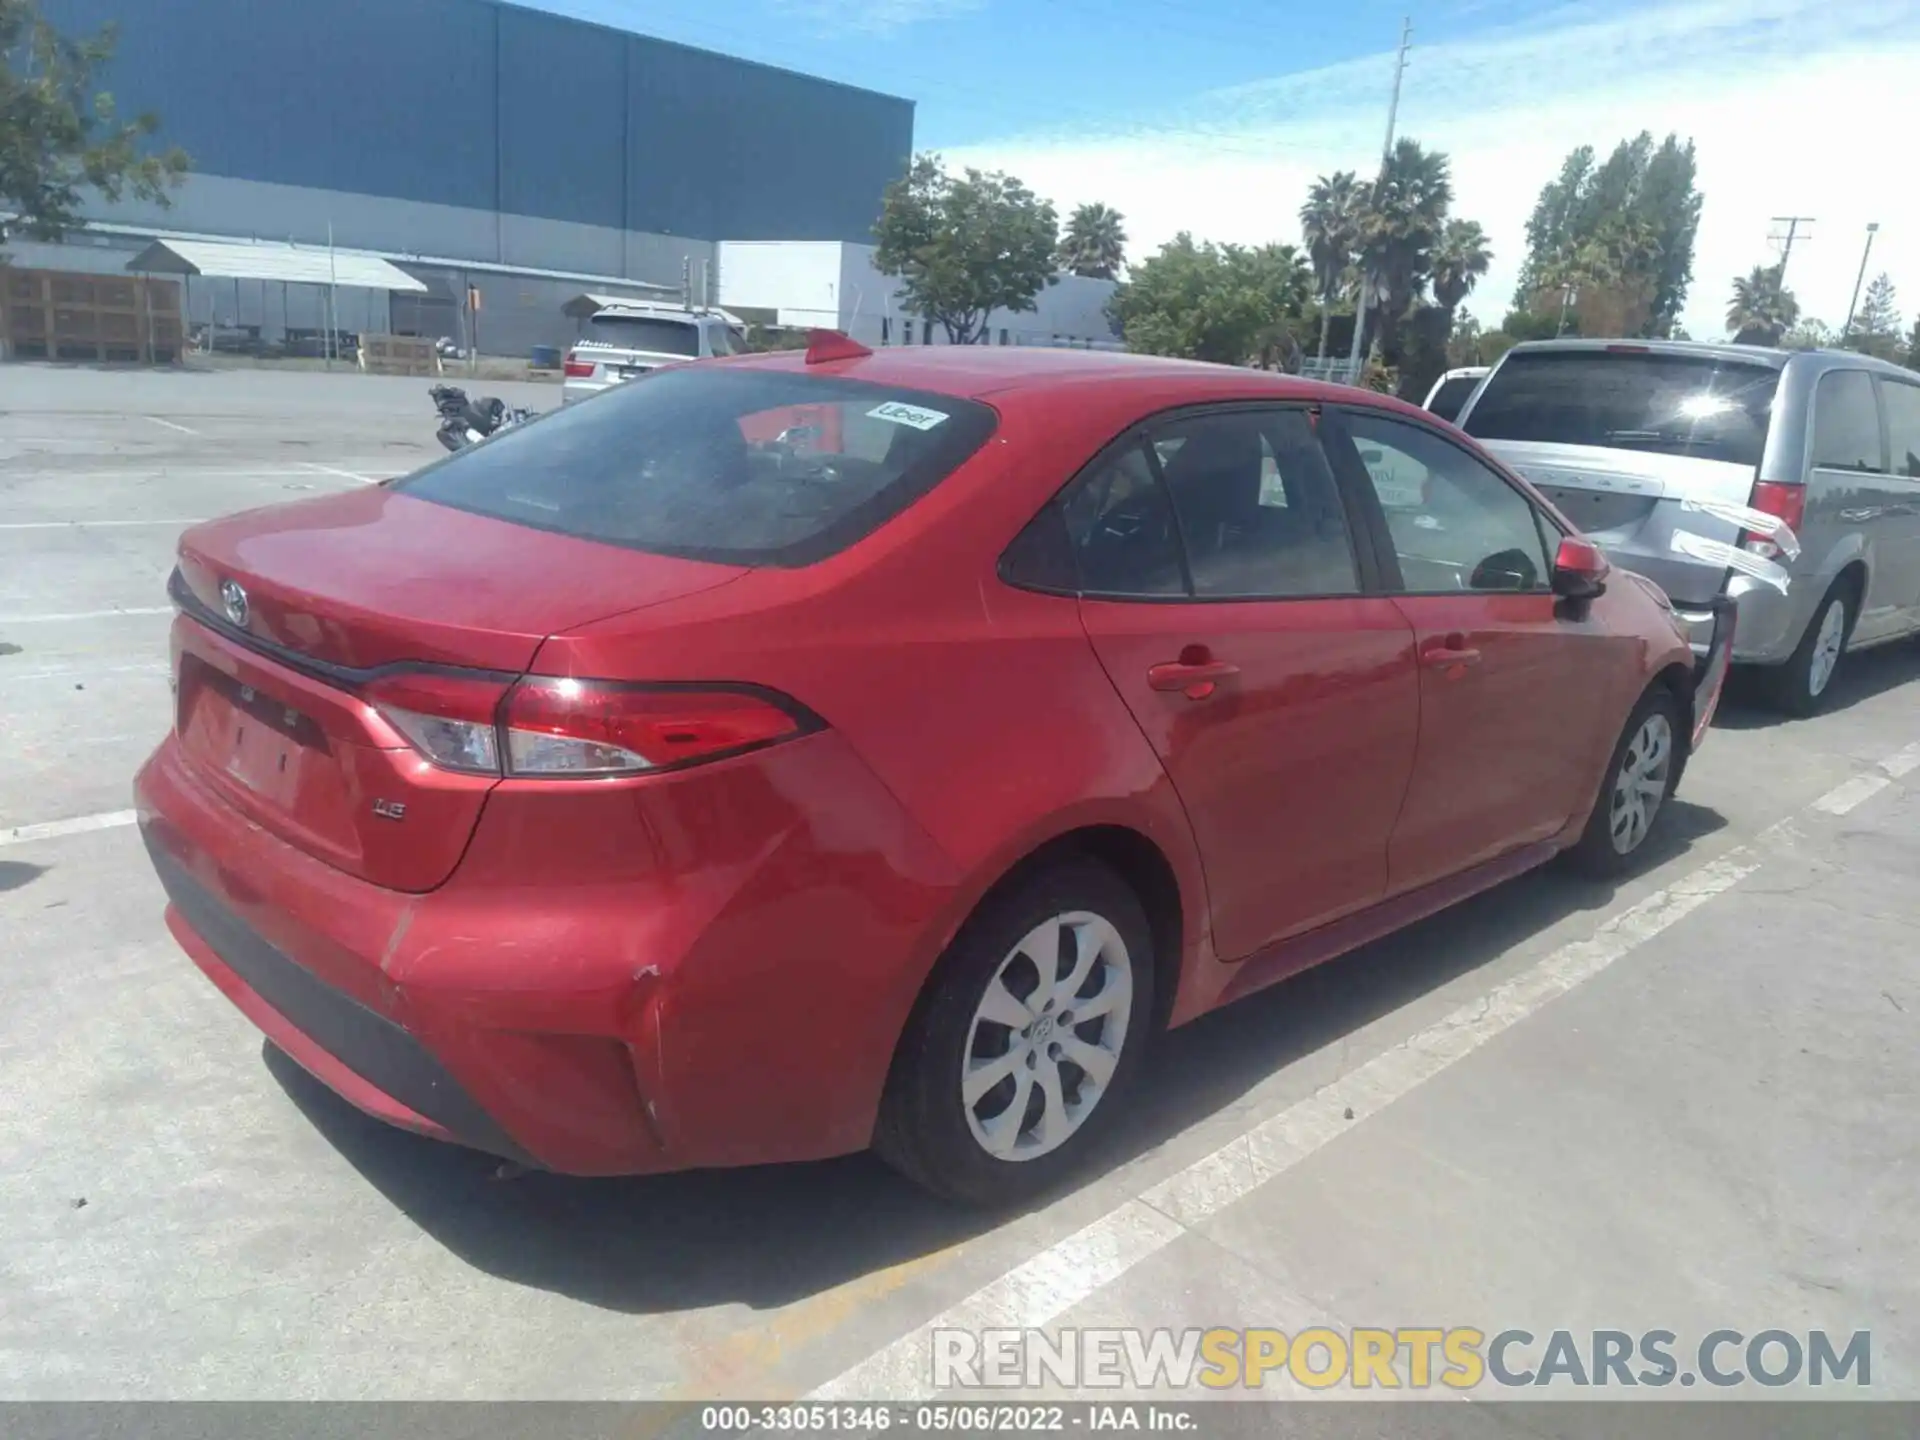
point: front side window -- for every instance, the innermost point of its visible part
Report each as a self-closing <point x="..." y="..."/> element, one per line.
<point x="740" y="467"/>
<point x="1846" y="423"/>
<point x="1455" y="524"/>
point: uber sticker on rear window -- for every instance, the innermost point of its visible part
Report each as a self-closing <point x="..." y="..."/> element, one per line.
<point x="913" y="415"/>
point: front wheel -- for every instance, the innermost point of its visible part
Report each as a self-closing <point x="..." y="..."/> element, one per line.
<point x="1640" y="779"/>
<point x="1031" y="1029"/>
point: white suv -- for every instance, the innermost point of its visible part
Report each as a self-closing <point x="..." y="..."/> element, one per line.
<point x="628" y="340"/>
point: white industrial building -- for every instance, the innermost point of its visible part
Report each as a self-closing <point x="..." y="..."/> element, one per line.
<point x="832" y="285"/>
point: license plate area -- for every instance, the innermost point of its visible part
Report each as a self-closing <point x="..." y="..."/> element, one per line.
<point x="253" y="739"/>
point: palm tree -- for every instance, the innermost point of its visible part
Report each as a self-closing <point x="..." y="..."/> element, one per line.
<point x="1401" y="220"/>
<point x="1763" y="309"/>
<point x="1095" y="244"/>
<point x="1329" y="222"/>
<point x="1459" y="261"/>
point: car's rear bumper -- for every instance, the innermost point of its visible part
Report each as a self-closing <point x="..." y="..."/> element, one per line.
<point x="736" y="1015"/>
<point x="1770" y="622"/>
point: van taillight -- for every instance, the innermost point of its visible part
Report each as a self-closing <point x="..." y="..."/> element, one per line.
<point x="577" y="369"/>
<point x="547" y="726"/>
<point x="1786" y="503"/>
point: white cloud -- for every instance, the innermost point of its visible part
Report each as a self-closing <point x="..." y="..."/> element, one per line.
<point x="876" y="17"/>
<point x="1796" y="107"/>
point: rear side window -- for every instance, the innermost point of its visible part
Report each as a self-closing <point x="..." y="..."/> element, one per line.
<point x="740" y="467"/>
<point x="639" y="332"/>
<point x="1846" y="423"/>
<point x="1903" y="425"/>
<point x="1695" y="405"/>
<point x="1451" y="395"/>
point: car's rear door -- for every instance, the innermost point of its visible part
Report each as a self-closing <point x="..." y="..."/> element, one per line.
<point x="1226" y="600"/>
<point x="1515" y="688"/>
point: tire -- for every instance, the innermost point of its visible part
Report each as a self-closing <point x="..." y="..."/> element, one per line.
<point x="978" y="1153"/>
<point x="1801" y="686"/>
<point x="1613" y="841"/>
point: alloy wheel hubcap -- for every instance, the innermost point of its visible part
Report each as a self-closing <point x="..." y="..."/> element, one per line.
<point x="1826" y="648"/>
<point x="1046" y="1036"/>
<point x="1640" y="787"/>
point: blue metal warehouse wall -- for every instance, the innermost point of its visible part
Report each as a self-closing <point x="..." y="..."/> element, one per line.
<point x="480" y="106"/>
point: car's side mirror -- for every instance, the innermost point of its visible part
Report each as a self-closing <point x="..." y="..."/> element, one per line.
<point x="1579" y="570"/>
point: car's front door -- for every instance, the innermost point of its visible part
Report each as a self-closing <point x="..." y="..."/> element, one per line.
<point x="1226" y="600"/>
<point x="1514" y="686"/>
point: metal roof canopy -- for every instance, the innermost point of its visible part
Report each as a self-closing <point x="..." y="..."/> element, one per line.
<point x="261" y="261"/>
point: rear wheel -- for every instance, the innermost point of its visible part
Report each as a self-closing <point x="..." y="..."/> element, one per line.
<point x="1640" y="779"/>
<point x="1030" y="1031"/>
<point x="1800" y="686"/>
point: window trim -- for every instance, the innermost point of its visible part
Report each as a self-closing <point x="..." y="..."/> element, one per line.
<point x="1872" y="377"/>
<point x="1372" y="582"/>
<point x="1352" y="472"/>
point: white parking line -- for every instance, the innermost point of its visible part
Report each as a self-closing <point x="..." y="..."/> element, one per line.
<point x="1041" y="1289"/>
<point x="1849" y="793"/>
<point x="86" y="524"/>
<point x="343" y="474"/>
<point x="170" y="425"/>
<point x="6" y="620"/>
<point x="79" y="825"/>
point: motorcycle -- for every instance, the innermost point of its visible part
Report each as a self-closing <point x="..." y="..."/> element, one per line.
<point x="465" y="421"/>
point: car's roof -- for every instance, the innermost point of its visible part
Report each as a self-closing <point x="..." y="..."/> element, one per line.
<point x="1749" y="354"/>
<point x="978" y="371"/>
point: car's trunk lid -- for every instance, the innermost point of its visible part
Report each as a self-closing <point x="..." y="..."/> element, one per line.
<point x="1632" y="504"/>
<point x="300" y="613"/>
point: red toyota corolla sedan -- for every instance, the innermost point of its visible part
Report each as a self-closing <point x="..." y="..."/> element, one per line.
<point x="774" y="758"/>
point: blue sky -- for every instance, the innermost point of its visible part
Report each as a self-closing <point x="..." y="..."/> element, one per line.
<point x="1215" y="115"/>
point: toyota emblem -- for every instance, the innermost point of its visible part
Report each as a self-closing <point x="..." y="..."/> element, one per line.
<point x="234" y="601"/>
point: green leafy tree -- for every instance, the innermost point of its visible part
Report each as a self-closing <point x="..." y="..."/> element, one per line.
<point x="61" y="136"/>
<point x="1459" y="261"/>
<point x="1809" y="334"/>
<point x="1224" y="303"/>
<point x="1402" y="217"/>
<point x="1627" y="225"/>
<point x="963" y="247"/>
<point x="1095" y="244"/>
<point x="1876" y="324"/>
<point x="1762" y="309"/>
<point x="1330" y="225"/>
<point x="1912" y="358"/>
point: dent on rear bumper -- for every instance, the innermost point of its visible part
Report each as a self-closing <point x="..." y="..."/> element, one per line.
<point x="616" y="979"/>
<point x="1767" y="631"/>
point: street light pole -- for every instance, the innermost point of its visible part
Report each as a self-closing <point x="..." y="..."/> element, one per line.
<point x="1865" y="251"/>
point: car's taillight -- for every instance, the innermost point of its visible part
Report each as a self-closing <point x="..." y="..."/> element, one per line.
<point x="577" y="369"/>
<point x="450" y="719"/>
<point x="1787" y="503"/>
<point x="577" y="727"/>
<point x="549" y="726"/>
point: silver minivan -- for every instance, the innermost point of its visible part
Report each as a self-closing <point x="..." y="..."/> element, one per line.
<point x="1647" y="445"/>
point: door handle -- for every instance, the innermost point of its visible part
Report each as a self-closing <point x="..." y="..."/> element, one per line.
<point x="1196" y="678"/>
<point x="1453" y="653"/>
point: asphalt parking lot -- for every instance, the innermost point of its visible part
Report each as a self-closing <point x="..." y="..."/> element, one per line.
<point x="1685" y="1104"/>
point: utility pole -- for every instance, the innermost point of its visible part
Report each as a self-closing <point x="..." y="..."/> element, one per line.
<point x="1386" y="158"/>
<point x="1853" y="304"/>
<point x="1785" y="242"/>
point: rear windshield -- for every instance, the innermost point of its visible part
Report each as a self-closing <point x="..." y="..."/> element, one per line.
<point x="1448" y="399"/>
<point x="638" y="332"/>
<point x="741" y="467"/>
<point x="1701" y="406"/>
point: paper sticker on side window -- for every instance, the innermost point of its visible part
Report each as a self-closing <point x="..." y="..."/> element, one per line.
<point x="914" y="415"/>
